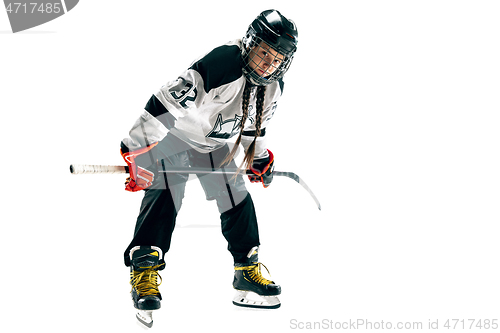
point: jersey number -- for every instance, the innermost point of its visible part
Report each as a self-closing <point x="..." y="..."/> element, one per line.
<point x="184" y="92"/>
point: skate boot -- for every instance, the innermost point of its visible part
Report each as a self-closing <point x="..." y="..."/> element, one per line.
<point x="144" y="280"/>
<point x="253" y="290"/>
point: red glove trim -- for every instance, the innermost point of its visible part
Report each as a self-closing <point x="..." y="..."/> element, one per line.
<point x="266" y="167"/>
<point x="140" y="178"/>
<point x="258" y="177"/>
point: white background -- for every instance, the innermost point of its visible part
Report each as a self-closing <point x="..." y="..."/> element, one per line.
<point x="390" y="114"/>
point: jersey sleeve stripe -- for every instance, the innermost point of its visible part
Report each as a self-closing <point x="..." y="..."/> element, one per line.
<point x="252" y="133"/>
<point x="160" y="112"/>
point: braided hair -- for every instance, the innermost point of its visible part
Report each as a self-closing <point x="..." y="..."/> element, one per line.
<point x="249" y="155"/>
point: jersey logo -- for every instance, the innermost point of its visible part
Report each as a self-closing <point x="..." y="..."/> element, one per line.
<point x="225" y="129"/>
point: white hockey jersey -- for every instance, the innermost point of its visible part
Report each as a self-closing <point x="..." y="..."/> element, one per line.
<point x="202" y="106"/>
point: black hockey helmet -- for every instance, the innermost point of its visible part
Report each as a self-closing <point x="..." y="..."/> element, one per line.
<point x="269" y="30"/>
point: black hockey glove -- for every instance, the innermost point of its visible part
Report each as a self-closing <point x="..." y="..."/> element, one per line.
<point x="263" y="170"/>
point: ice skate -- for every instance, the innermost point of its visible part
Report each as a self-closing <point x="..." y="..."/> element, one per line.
<point x="144" y="280"/>
<point x="253" y="290"/>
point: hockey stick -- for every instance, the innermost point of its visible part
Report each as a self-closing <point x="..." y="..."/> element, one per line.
<point x="77" y="169"/>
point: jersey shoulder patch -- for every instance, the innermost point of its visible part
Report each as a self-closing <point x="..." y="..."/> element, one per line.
<point x="219" y="67"/>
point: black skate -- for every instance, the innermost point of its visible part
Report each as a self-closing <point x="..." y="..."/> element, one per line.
<point x="144" y="280"/>
<point x="253" y="290"/>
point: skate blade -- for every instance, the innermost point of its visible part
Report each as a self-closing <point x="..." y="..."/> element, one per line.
<point x="145" y="318"/>
<point x="249" y="299"/>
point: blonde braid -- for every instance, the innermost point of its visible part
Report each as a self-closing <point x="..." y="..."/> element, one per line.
<point x="261" y="94"/>
<point x="249" y="155"/>
<point x="244" y="105"/>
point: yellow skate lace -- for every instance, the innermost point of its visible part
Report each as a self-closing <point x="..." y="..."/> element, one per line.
<point x="254" y="272"/>
<point x="146" y="282"/>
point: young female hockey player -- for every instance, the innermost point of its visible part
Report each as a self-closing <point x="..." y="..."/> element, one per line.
<point x="231" y="91"/>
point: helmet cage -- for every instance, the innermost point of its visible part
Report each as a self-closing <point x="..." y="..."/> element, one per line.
<point x="252" y="42"/>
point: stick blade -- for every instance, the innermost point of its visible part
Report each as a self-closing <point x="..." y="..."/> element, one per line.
<point x="299" y="180"/>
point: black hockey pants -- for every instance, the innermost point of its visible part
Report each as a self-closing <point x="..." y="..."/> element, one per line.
<point x="162" y="201"/>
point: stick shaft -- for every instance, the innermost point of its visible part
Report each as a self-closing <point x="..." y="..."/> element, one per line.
<point x="109" y="169"/>
<point x="78" y="169"/>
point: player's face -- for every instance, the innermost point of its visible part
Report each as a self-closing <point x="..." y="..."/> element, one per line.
<point x="264" y="60"/>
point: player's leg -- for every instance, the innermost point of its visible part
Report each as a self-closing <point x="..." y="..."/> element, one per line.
<point x="153" y="231"/>
<point x="162" y="201"/>
<point x="240" y="229"/>
<point x="238" y="219"/>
